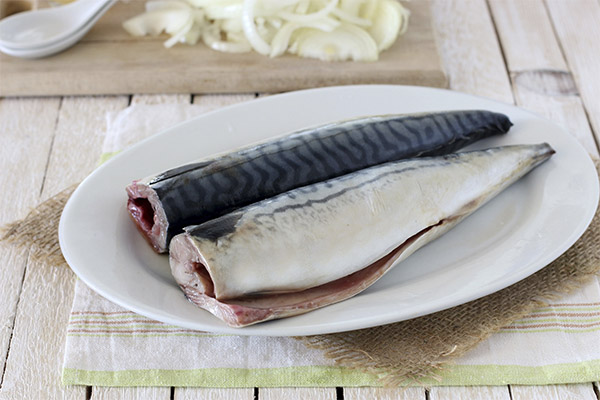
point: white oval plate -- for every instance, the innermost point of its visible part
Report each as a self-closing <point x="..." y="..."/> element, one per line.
<point x="516" y="234"/>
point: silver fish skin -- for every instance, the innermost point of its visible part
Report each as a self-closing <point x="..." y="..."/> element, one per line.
<point x="162" y="205"/>
<point x="326" y="242"/>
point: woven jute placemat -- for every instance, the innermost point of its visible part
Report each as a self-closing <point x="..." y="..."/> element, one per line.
<point x="399" y="353"/>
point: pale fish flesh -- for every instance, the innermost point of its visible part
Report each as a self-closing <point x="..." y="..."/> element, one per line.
<point x="162" y="205"/>
<point x="323" y="243"/>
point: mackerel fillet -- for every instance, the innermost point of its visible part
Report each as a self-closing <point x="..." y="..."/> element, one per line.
<point x="162" y="205"/>
<point x="323" y="243"/>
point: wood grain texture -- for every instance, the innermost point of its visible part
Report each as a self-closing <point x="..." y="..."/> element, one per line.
<point x="470" y="393"/>
<point x="577" y="25"/>
<point x="108" y="61"/>
<point x="409" y="393"/>
<point x="25" y="143"/>
<point x="213" y="394"/>
<point x="562" y="392"/>
<point x="24" y="146"/>
<point x="541" y="81"/>
<point x="130" y="393"/>
<point x="80" y="133"/>
<point x="35" y="359"/>
<point x="11" y="285"/>
<point x="210" y="102"/>
<point x="161" y="99"/>
<point x="297" y="393"/>
<point x="469" y="49"/>
<point x="521" y="44"/>
<point x="10" y="7"/>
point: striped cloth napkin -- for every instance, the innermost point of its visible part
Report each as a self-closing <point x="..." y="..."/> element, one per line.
<point x="108" y="345"/>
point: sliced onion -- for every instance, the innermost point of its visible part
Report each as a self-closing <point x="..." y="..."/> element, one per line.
<point x="390" y="17"/>
<point x="302" y="7"/>
<point x="281" y="40"/>
<point x="193" y="34"/>
<point x="199" y="17"/>
<point x="180" y="35"/>
<point x="347" y="42"/>
<point x="405" y="12"/>
<point x="352" y="7"/>
<point x="353" y="19"/>
<point x="325" y="29"/>
<point x="368" y="9"/>
<point x="224" y="11"/>
<point x="255" y="40"/>
<point x="155" y="22"/>
<point x="230" y="25"/>
<point x="310" y="17"/>
<point x="237" y="37"/>
<point x="266" y="8"/>
<point x="276" y="23"/>
<point x="211" y="39"/>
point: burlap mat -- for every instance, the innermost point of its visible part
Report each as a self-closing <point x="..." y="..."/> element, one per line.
<point x="398" y="353"/>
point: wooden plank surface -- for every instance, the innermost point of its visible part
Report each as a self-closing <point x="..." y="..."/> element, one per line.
<point x="577" y="25"/>
<point x="131" y="393"/>
<point x="108" y="61"/>
<point x="213" y="394"/>
<point x="563" y="392"/>
<point x="470" y="393"/>
<point x="297" y="393"/>
<point x="469" y="49"/>
<point x="408" y="393"/>
<point x="24" y="146"/>
<point x="34" y="364"/>
<point x="540" y="77"/>
<point x="538" y="69"/>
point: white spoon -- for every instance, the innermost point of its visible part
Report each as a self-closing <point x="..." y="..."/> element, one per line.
<point x="48" y="31"/>
<point x="54" y="47"/>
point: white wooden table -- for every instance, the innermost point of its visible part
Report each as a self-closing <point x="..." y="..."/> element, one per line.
<point x="543" y="55"/>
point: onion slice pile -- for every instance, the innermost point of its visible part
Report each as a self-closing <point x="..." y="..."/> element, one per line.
<point x="330" y="30"/>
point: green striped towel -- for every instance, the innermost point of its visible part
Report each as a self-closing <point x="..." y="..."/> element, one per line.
<point x="110" y="346"/>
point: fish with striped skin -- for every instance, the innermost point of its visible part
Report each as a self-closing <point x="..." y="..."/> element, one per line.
<point x="323" y="243"/>
<point x="162" y="205"/>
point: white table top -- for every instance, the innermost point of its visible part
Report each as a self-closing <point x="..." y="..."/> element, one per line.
<point x="541" y="55"/>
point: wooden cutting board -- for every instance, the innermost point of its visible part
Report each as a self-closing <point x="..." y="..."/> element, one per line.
<point x="109" y="61"/>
